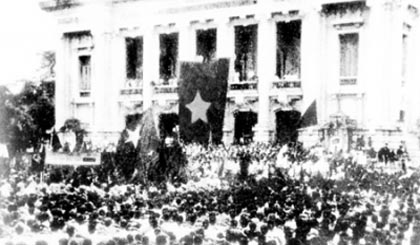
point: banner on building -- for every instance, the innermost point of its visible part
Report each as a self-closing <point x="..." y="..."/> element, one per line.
<point x="202" y="100"/>
<point x="309" y="117"/>
<point x="72" y="159"/>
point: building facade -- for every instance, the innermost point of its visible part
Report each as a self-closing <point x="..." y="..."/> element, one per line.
<point x="356" y="57"/>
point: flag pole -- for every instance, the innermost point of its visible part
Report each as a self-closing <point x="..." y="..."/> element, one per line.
<point x="210" y="137"/>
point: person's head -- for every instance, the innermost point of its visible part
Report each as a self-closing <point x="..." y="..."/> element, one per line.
<point x="161" y="240"/>
<point x="63" y="241"/>
<point x="86" y="241"/>
<point x="41" y="242"/>
<point x="205" y="224"/>
<point x="233" y="223"/>
<point x="198" y="240"/>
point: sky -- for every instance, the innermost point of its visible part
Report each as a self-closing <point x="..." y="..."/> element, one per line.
<point x="25" y="32"/>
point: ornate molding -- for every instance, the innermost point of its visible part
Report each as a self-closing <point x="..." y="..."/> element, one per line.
<point x="349" y="24"/>
<point x="286" y="16"/>
<point x="245" y="103"/>
<point x="55" y="5"/>
<point x="207" y="6"/>
<point x="246" y="20"/>
<point x="343" y="8"/>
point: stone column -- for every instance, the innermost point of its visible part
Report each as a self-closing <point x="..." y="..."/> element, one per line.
<point x="266" y="61"/>
<point x="150" y="64"/>
<point x="225" y="40"/>
<point x="413" y="76"/>
<point x="63" y="88"/>
<point x="101" y="83"/>
<point x="186" y="42"/>
<point x="225" y="48"/>
<point x="118" y="77"/>
<point x="310" y="57"/>
<point x="225" y="44"/>
<point x="381" y="64"/>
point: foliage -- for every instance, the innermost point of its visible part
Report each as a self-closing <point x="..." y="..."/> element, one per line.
<point x="48" y="64"/>
<point x="26" y="117"/>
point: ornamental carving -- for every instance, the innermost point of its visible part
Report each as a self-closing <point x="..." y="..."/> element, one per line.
<point x="341" y="9"/>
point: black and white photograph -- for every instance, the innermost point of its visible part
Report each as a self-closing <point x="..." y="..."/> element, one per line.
<point x="210" y="122"/>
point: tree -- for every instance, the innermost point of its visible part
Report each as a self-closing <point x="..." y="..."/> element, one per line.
<point x="47" y="65"/>
<point x="25" y="117"/>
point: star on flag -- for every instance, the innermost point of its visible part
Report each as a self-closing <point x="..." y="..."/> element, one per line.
<point x="133" y="136"/>
<point x="198" y="108"/>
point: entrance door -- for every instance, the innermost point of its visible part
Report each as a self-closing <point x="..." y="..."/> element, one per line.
<point x="167" y="123"/>
<point x="287" y="124"/>
<point x="244" y="122"/>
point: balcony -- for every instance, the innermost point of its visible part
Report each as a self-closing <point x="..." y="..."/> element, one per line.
<point x="132" y="87"/>
<point x="169" y="86"/>
<point x="85" y="86"/>
<point x="284" y="84"/>
<point x="348" y="81"/>
<point x="245" y="85"/>
<point x="165" y="89"/>
<point x="84" y="93"/>
<point x="131" y="91"/>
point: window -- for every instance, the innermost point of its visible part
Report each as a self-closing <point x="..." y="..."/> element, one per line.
<point x="206" y="44"/>
<point x="288" y="50"/>
<point x="85" y="75"/>
<point x="134" y="61"/>
<point x="246" y="52"/>
<point x="168" y="56"/>
<point x="349" y="55"/>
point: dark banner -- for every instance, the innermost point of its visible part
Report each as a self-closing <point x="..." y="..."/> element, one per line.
<point x="202" y="100"/>
<point x="287" y="124"/>
<point x="309" y="118"/>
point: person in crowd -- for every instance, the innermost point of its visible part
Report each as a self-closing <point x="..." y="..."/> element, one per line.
<point x="368" y="206"/>
<point x="384" y="154"/>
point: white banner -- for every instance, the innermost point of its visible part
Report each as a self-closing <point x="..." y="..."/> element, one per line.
<point x="73" y="159"/>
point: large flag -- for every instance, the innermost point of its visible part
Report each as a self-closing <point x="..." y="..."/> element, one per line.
<point x="309" y="117"/>
<point x="202" y="100"/>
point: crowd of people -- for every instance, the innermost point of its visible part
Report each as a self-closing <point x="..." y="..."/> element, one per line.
<point x="241" y="194"/>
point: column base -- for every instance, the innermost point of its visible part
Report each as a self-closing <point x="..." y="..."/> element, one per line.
<point x="227" y="136"/>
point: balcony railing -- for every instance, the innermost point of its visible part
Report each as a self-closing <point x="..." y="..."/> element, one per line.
<point x="287" y="84"/>
<point x="166" y="89"/>
<point x="246" y="85"/>
<point x="130" y="91"/>
<point x="84" y="93"/>
<point x="132" y="86"/>
<point x="348" y="80"/>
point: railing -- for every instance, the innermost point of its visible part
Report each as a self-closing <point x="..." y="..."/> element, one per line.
<point x="84" y="93"/>
<point x="287" y="84"/>
<point x="132" y="86"/>
<point x="166" y="89"/>
<point x="348" y="81"/>
<point x="246" y="85"/>
<point x="129" y="91"/>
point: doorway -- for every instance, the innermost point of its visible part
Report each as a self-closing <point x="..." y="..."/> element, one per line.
<point x="287" y="125"/>
<point x="167" y="124"/>
<point x="244" y="122"/>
